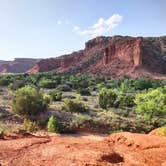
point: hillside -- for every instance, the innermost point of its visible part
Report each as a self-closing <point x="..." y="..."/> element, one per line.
<point x="18" y="65"/>
<point x="115" y="56"/>
<point x="4" y="62"/>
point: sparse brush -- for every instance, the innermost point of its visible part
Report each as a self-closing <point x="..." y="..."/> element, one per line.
<point x="29" y="126"/>
<point x="52" y="125"/>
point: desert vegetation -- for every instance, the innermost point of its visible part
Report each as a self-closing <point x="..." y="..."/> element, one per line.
<point x="68" y="103"/>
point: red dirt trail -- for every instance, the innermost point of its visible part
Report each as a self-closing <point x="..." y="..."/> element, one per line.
<point x="124" y="149"/>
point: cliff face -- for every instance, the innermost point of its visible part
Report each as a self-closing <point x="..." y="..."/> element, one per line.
<point x="130" y="52"/>
<point x="115" y="56"/>
<point x="19" y="65"/>
<point x="59" y="64"/>
<point x="4" y="62"/>
<point x="154" y="54"/>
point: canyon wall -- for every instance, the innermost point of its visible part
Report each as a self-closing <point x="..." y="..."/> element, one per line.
<point x="18" y="65"/>
<point x="129" y="51"/>
<point x="115" y="56"/>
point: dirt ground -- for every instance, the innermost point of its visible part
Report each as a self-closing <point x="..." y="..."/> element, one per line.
<point x="83" y="149"/>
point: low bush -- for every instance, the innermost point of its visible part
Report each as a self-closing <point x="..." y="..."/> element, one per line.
<point x="81" y="120"/>
<point x="73" y="106"/>
<point x="52" y="125"/>
<point x="107" y="98"/>
<point x="29" y="125"/>
<point x="151" y="104"/>
<point x="161" y="131"/>
<point x="28" y="101"/>
<point x="56" y="95"/>
<point x="84" y="92"/>
<point x="142" y="84"/>
<point x="66" y="127"/>
<point x="126" y="86"/>
<point x="47" y="98"/>
<point x="164" y="130"/>
<point x="5" y="81"/>
<point x="64" y="88"/>
<point x="125" y="100"/>
<point x="48" y="83"/>
<point x="17" y="84"/>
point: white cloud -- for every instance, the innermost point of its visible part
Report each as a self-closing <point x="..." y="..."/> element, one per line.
<point x="102" y="26"/>
<point x="76" y="28"/>
<point x="59" y="22"/>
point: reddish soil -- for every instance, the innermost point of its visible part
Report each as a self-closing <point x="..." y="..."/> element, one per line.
<point x="84" y="150"/>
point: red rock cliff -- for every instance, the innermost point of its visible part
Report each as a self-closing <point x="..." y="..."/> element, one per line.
<point x="115" y="56"/>
<point x="19" y="65"/>
<point x="130" y="52"/>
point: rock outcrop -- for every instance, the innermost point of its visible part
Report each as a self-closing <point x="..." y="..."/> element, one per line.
<point x="4" y="62"/>
<point x="129" y="52"/>
<point x="19" y="65"/>
<point x="116" y="56"/>
<point x="59" y="64"/>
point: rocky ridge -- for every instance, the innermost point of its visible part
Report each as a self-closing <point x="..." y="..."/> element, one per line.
<point x="18" y="65"/>
<point x="115" y="56"/>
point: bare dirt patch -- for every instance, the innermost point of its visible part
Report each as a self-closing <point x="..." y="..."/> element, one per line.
<point x="84" y="149"/>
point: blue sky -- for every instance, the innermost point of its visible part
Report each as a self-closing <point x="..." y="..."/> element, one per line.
<point x="49" y="28"/>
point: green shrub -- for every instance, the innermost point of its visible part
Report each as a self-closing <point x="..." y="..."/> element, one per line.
<point x="78" y="97"/>
<point x="52" y="125"/>
<point x="56" y="95"/>
<point x="142" y="84"/>
<point x="48" y="83"/>
<point x="73" y="106"/>
<point x="164" y="130"/>
<point x="5" y="81"/>
<point x="17" y="84"/>
<point x="28" y="101"/>
<point x="29" y="125"/>
<point x="151" y="104"/>
<point x="161" y="131"/>
<point x="107" y="98"/>
<point x="84" y="92"/>
<point x="81" y="120"/>
<point x="47" y="98"/>
<point x="126" y="85"/>
<point x="64" y="88"/>
<point x="125" y="100"/>
<point x="113" y="84"/>
<point x="79" y="82"/>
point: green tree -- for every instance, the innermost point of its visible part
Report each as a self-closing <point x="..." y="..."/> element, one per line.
<point x="84" y="91"/>
<point x="151" y="104"/>
<point x="142" y="84"/>
<point x="28" y="101"/>
<point x="5" y="80"/>
<point x="48" y="83"/>
<point x="125" y="100"/>
<point x="126" y="85"/>
<point x="107" y="98"/>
